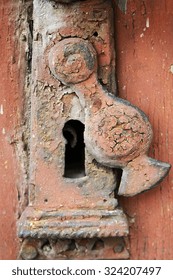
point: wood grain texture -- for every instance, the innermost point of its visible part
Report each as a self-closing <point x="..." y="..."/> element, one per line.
<point x="144" y="40"/>
<point x="11" y="87"/>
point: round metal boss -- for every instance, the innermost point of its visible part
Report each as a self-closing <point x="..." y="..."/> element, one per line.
<point x="72" y="60"/>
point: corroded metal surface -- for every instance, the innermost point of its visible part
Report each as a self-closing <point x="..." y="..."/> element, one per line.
<point x="93" y="248"/>
<point x="72" y="60"/>
<point x="53" y="105"/>
<point x="122" y="4"/>
<point x="117" y="134"/>
<point x="65" y="1"/>
<point x="73" y="223"/>
<point x="78" y="202"/>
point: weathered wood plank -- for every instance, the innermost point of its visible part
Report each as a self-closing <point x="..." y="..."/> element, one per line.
<point x="144" y="39"/>
<point x="11" y="99"/>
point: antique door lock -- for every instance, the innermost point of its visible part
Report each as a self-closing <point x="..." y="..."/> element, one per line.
<point x="80" y="133"/>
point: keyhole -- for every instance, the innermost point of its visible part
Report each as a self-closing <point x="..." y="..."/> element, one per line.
<point x="73" y="132"/>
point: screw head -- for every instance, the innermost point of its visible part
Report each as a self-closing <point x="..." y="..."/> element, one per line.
<point x="72" y="60"/>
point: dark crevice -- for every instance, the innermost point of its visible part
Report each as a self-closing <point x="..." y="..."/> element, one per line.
<point x="72" y="245"/>
<point x="118" y="172"/>
<point x="73" y="132"/>
<point x="99" y="244"/>
<point x="95" y="34"/>
<point x="30" y="36"/>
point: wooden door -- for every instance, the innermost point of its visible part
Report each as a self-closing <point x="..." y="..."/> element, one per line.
<point x="144" y="39"/>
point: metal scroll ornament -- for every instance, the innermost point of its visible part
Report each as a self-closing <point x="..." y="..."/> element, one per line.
<point x="117" y="133"/>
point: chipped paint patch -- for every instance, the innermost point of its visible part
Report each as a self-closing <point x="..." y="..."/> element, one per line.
<point x="147" y="23"/>
<point x="1" y="109"/>
<point x="171" y="68"/>
<point x="3" y="131"/>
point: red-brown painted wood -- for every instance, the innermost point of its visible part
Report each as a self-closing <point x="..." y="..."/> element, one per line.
<point x="144" y="40"/>
<point x="11" y="86"/>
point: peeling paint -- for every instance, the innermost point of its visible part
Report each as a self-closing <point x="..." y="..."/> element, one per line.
<point x="3" y="131"/>
<point x="171" y="68"/>
<point x="147" y="22"/>
<point x="90" y="211"/>
<point x="1" y="109"/>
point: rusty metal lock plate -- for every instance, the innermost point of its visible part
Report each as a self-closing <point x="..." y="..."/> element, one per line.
<point x="80" y="132"/>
